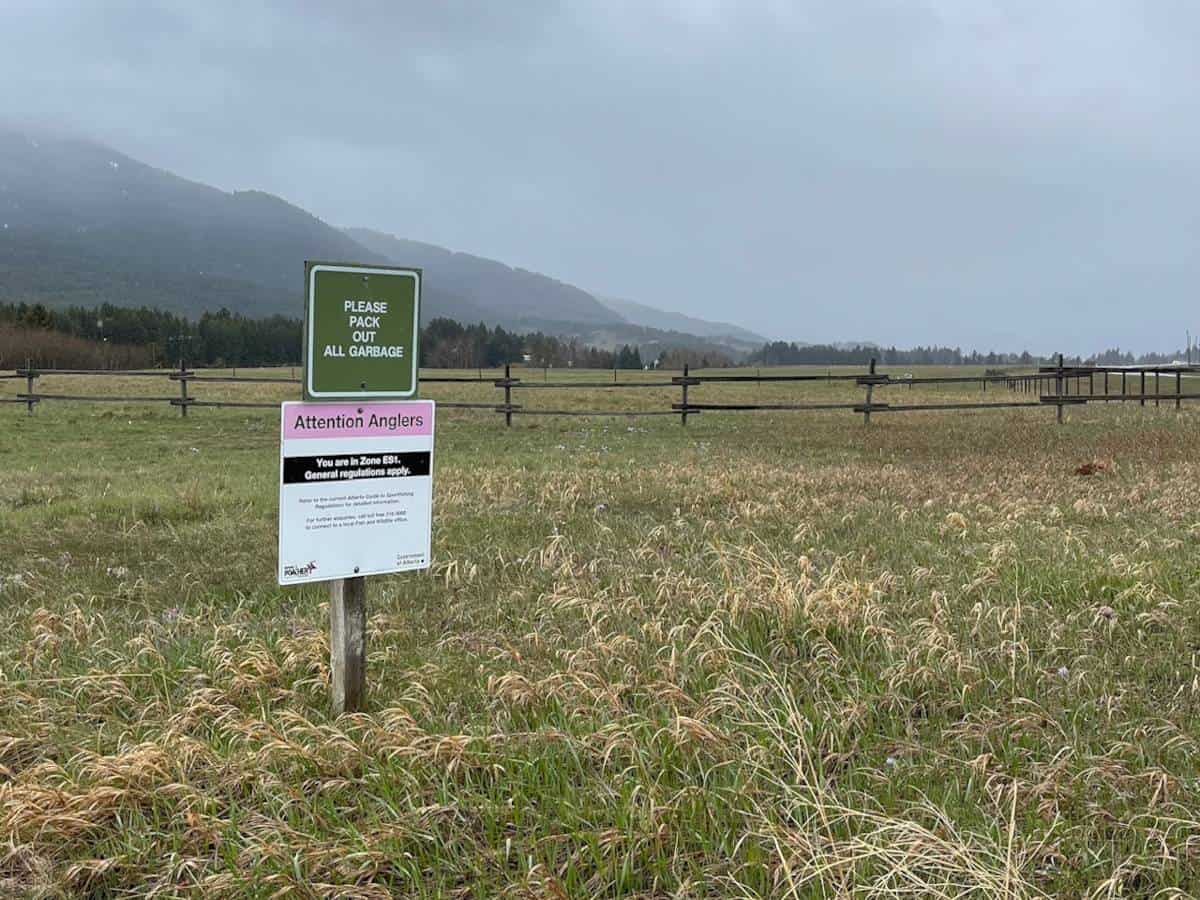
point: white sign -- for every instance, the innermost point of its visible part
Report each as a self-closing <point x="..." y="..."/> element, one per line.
<point x="355" y="489"/>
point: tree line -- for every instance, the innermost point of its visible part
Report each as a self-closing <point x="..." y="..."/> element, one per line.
<point x="131" y="337"/>
<point x="782" y="353"/>
<point x="117" y="336"/>
<point x="447" y="344"/>
<point x="216" y="338"/>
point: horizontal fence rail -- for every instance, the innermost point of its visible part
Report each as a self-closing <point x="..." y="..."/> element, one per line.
<point x="1057" y="386"/>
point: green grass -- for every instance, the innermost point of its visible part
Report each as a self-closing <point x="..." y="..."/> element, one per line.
<point x="765" y="655"/>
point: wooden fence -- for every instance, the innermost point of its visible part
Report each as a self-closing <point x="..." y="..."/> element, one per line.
<point x="1056" y="386"/>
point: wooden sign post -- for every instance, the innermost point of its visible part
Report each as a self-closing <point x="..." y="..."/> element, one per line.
<point x="348" y="643"/>
<point x="361" y="329"/>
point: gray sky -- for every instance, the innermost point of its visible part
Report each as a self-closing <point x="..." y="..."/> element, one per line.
<point x="990" y="174"/>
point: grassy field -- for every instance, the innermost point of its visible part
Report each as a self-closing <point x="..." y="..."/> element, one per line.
<point x="766" y="655"/>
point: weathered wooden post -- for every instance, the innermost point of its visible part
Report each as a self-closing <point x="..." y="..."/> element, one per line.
<point x="1058" y="390"/>
<point x="183" y="394"/>
<point x="683" y="403"/>
<point x="870" y="393"/>
<point x="1106" y="398"/>
<point x="1178" y="390"/>
<point x="1157" y="388"/>
<point x="348" y="643"/>
<point x="1142" y="390"/>
<point x="1123" y="391"/>
<point x="29" y="376"/>
<point x="507" y="395"/>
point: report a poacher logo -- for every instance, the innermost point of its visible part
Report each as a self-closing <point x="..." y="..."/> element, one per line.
<point x="300" y="571"/>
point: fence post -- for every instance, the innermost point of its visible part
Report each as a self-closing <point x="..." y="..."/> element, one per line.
<point x="683" y="401"/>
<point x="870" y="392"/>
<point x="29" y="376"/>
<point x="1157" y="388"/>
<point x="507" y="395"/>
<point x="1106" y="385"/>
<point x="1142" y="399"/>
<point x="1178" y="389"/>
<point x="1058" y="390"/>
<point x="1123" y="387"/>
<point x="183" y="395"/>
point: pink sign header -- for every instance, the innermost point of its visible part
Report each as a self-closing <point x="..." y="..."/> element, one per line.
<point x="346" y="420"/>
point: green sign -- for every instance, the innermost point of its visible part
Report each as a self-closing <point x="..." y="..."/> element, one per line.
<point x="360" y="331"/>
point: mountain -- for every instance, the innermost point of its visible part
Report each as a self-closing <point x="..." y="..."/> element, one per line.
<point x="525" y="300"/>
<point x="640" y="314"/>
<point x="81" y="224"/>
<point x="515" y="297"/>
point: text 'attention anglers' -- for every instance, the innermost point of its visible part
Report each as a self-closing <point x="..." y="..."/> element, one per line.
<point x="374" y="420"/>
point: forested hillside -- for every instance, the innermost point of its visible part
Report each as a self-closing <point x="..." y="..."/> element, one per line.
<point x="84" y="225"/>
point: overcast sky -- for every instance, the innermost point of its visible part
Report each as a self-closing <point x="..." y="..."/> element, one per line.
<point x="991" y="174"/>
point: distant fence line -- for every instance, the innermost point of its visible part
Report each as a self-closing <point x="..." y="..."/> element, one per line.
<point x="1058" y="386"/>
